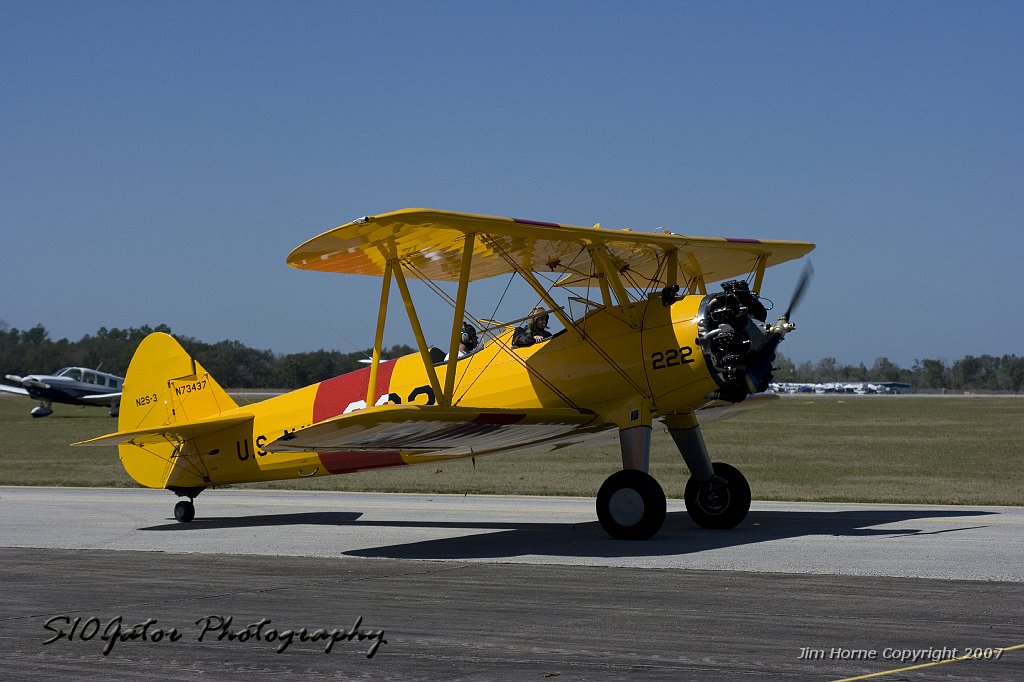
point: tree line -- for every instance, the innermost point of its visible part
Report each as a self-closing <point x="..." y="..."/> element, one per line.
<point x="235" y="365"/>
<point x="986" y="373"/>
<point x="231" y="363"/>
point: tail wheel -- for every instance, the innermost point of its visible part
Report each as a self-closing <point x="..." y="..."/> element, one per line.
<point x="631" y="505"/>
<point x="722" y="502"/>
<point x="184" y="511"/>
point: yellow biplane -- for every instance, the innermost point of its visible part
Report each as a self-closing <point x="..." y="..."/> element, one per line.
<point x="655" y="346"/>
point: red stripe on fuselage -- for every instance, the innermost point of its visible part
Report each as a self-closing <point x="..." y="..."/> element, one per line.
<point x="333" y="396"/>
<point x="346" y="462"/>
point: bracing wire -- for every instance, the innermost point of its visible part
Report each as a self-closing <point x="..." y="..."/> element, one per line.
<point x="593" y="344"/>
<point x="447" y="298"/>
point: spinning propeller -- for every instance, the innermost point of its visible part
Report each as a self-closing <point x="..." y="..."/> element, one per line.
<point x="27" y="382"/>
<point x="783" y="326"/>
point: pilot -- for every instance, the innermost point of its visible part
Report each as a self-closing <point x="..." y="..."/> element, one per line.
<point x="533" y="332"/>
<point x="467" y="342"/>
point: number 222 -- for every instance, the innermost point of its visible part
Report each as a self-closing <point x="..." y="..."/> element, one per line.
<point x="673" y="357"/>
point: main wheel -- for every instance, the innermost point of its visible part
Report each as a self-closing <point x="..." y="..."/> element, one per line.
<point x="631" y="505"/>
<point x="184" y="511"/>
<point x="722" y="502"/>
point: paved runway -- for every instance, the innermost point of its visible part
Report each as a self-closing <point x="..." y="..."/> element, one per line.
<point x="970" y="543"/>
<point x="483" y="587"/>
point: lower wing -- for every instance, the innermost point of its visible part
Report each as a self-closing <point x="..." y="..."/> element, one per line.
<point x="721" y="409"/>
<point x="423" y="429"/>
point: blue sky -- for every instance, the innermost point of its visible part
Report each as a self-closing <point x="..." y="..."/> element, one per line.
<point x="160" y="159"/>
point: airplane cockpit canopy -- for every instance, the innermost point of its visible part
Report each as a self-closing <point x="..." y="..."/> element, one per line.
<point x="87" y="376"/>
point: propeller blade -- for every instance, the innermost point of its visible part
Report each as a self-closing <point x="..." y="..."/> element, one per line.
<point x="801" y="289"/>
<point x="13" y="377"/>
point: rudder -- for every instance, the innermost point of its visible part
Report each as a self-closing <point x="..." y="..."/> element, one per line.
<point x="164" y="385"/>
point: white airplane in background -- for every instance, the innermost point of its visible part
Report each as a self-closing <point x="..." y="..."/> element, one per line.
<point x="71" y="385"/>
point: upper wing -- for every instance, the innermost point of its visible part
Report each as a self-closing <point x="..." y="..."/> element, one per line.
<point x="422" y="428"/>
<point x="431" y="243"/>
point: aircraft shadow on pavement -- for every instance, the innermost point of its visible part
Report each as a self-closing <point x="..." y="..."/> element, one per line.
<point x="679" y="535"/>
<point x="297" y="519"/>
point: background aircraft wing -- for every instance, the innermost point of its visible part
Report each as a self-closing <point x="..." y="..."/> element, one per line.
<point x="431" y="242"/>
<point x="424" y="429"/>
<point x="102" y="398"/>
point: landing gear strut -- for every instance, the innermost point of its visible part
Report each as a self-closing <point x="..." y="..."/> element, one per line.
<point x="717" y="495"/>
<point x="630" y="503"/>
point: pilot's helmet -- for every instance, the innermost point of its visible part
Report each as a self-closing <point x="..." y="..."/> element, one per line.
<point x="469" y="338"/>
<point x="540" y="318"/>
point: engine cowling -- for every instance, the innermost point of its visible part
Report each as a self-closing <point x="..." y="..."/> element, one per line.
<point x="738" y="345"/>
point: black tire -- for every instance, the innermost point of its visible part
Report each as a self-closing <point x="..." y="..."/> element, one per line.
<point x="184" y="511"/>
<point x="722" y="502"/>
<point x="631" y="505"/>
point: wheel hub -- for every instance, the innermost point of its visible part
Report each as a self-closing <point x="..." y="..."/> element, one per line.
<point x="626" y="507"/>
<point x="714" y="497"/>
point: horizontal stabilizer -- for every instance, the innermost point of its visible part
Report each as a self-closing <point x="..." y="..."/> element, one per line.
<point x="431" y="428"/>
<point x="182" y="431"/>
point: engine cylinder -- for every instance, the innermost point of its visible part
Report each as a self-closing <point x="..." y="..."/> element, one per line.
<point x="736" y="342"/>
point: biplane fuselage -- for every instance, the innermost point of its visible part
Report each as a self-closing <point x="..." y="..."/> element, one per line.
<point x="662" y="358"/>
<point x="628" y="361"/>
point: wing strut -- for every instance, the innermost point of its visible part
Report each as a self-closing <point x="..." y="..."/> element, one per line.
<point x="671" y="267"/>
<point x="414" y="321"/>
<point x="460" y="311"/>
<point x="378" y="340"/>
<point x="599" y="252"/>
<point x="696" y="284"/>
<point x="606" y="294"/>
<point x="762" y="263"/>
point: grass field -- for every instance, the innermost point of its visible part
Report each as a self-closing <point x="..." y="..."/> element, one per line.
<point x="948" y="450"/>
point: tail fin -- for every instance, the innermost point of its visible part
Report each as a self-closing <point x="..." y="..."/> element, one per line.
<point x="165" y="385"/>
<point x="165" y="393"/>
